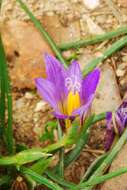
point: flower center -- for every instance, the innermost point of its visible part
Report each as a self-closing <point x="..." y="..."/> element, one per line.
<point x="73" y="102"/>
<point x="72" y="84"/>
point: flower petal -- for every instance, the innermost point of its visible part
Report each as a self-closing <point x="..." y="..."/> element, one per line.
<point x="109" y="124"/>
<point x="121" y="116"/>
<point x="108" y="139"/>
<point x="56" y="74"/>
<point x="54" y="68"/>
<point x="47" y="91"/>
<point x="73" y="77"/>
<point x="110" y="134"/>
<point x="84" y="108"/>
<point x="60" y="116"/>
<point x="89" y="84"/>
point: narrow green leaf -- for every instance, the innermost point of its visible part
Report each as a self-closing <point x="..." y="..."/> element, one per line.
<point x="41" y="165"/>
<point x="93" y="167"/>
<point x="80" y="143"/>
<point x="59" y="180"/>
<point x="24" y="157"/>
<point x="93" y="40"/>
<point x="48" y="134"/>
<point x="39" y="26"/>
<point x="101" y="179"/>
<point x="108" y="160"/>
<point x="6" y="93"/>
<point x="4" y="180"/>
<point x="107" y="53"/>
<point x="39" y="179"/>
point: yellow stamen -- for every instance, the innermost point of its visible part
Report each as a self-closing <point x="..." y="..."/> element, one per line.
<point x="73" y="102"/>
<point x="67" y="123"/>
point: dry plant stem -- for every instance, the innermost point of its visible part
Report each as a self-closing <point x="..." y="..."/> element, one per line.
<point x="93" y="40"/>
<point x="39" y="26"/>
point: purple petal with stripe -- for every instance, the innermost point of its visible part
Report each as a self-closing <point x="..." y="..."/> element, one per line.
<point x="56" y="74"/>
<point x="108" y="139"/>
<point x="48" y="91"/>
<point x="121" y="116"/>
<point x="89" y="84"/>
<point x="60" y="115"/>
<point x="110" y="134"/>
<point x="84" y="108"/>
<point x="73" y="77"/>
<point x="109" y="124"/>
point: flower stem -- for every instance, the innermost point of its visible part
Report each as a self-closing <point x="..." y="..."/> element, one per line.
<point x="94" y="40"/>
<point x="82" y="140"/>
<point x="39" y="26"/>
<point x="61" y="153"/>
<point x="107" y="53"/>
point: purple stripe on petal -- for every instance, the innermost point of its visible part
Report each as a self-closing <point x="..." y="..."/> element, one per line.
<point x="110" y="134"/>
<point x="121" y="114"/>
<point x="84" y="108"/>
<point x="59" y="115"/>
<point x="56" y="74"/>
<point x="54" y="68"/>
<point x="73" y="77"/>
<point x="109" y="124"/>
<point x="89" y="84"/>
<point x="47" y="91"/>
<point x="108" y="139"/>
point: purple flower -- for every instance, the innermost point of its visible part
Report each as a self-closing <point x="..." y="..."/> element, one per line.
<point x="66" y="90"/>
<point x="116" y="124"/>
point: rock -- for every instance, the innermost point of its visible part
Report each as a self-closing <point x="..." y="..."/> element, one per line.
<point x="40" y="106"/>
<point x="27" y="124"/>
<point x="107" y="92"/>
<point x="122" y="3"/>
<point x="91" y="4"/>
<point x="120" y="72"/>
<point x="25" y="48"/>
<point x="29" y="95"/>
<point x="121" y="181"/>
<point x="110" y="99"/>
<point x="60" y="33"/>
<point x="93" y="28"/>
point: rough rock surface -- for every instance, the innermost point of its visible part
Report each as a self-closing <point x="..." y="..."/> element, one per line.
<point x="108" y="92"/>
<point x="25" y="48"/>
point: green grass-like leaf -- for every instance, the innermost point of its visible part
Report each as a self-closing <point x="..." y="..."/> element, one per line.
<point x="108" y="160"/>
<point x="39" y="26"/>
<point x="100" y="179"/>
<point x="107" y="53"/>
<point x="39" y="179"/>
<point x="93" y="40"/>
<point x="5" y="93"/>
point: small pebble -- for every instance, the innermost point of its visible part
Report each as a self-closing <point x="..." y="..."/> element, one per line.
<point x="91" y="4"/>
<point x="120" y="73"/>
<point x="29" y="95"/>
<point x="40" y="106"/>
